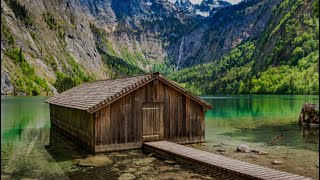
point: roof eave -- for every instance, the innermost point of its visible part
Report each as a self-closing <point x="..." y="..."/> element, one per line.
<point x="134" y="87"/>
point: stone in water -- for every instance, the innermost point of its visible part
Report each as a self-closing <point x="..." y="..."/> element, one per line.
<point x="127" y="176"/>
<point x="275" y="162"/>
<point x="93" y="161"/>
<point x="243" y="148"/>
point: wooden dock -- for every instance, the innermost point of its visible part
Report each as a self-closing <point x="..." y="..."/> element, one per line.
<point x="210" y="160"/>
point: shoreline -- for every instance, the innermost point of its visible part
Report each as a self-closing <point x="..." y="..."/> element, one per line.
<point x="296" y="161"/>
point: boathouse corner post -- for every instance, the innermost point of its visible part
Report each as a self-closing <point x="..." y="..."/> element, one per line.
<point x="93" y="132"/>
<point x="203" y="125"/>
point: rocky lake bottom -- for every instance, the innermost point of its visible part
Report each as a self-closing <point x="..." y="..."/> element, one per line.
<point x="31" y="149"/>
<point x="65" y="160"/>
<point x="62" y="159"/>
<point x="292" y="160"/>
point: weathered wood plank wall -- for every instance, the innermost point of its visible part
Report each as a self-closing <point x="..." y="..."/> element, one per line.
<point x="120" y="124"/>
<point x="78" y="124"/>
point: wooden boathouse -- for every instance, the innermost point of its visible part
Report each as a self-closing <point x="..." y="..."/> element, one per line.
<point x="123" y="113"/>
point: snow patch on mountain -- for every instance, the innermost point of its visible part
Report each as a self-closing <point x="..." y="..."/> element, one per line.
<point x="185" y="5"/>
<point x="201" y="13"/>
<point x="148" y="3"/>
<point x="205" y="8"/>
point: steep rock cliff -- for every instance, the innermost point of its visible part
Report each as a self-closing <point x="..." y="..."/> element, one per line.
<point x="54" y="45"/>
<point x="221" y="32"/>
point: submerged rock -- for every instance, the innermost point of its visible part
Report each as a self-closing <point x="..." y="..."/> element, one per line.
<point x="93" y="161"/>
<point x="263" y="153"/>
<point x="276" y="138"/>
<point x="243" y="148"/>
<point x="275" y="162"/>
<point x="144" y="161"/>
<point x="137" y="173"/>
<point x="221" y="150"/>
<point x="134" y="153"/>
<point x="309" y="114"/>
<point x="169" y="162"/>
<point x="145" y="168"/>
<point x="115" y="169"/>
<point x="131" y="170"/>
<point x="126" y="176"/>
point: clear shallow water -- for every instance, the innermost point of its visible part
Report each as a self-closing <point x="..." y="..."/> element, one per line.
<point x="26" y="137"/>
<point x="25" y="131"/>
<point x="261" y="119"/>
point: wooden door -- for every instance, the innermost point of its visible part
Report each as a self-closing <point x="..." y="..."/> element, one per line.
<point x="152" y="121"/>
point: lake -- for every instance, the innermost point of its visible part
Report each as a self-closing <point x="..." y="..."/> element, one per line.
<point x="255" y="120"/>
<point x="258" y="118"/>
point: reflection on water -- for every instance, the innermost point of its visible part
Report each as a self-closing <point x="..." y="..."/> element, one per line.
<point x="270" y="119"/>
<point x="62" y="148"/>
<point x="21" y="114"/>
<point x="30" y="149"/>
<point x="25" y="130"/>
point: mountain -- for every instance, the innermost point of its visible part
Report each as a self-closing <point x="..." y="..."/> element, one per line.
<point x="207" y="7"/>
<point x="186" y="6"/>
<point x="218" y="34"/>
<point x="51" y="46"/>
<point x="204" y="9"/>
<point x="283" y="59"/>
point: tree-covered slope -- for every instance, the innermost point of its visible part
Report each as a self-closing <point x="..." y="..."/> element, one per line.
<point x="283" y="60"/>
<point x="51" y="46"/>
<point x="221" y="32"/>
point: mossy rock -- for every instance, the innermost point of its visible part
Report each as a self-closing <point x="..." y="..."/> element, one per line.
<point x="309" y="114"/>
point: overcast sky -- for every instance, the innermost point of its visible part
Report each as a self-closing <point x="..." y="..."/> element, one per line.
<point x="199" y="1"/>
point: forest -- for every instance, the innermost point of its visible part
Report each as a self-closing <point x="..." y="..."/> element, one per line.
<point x="284" y="60"/>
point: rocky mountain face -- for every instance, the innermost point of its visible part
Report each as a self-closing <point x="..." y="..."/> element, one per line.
<point x="136" y="31"/>
<point x="41" y="40"/>
<point x="282" y="59"/>
<point x="51" y="46"/>
<point x="186" y="6"/>
<point x="204" y="9"/>
<point x="207" y="7"/>
<point x="221" y="32"/>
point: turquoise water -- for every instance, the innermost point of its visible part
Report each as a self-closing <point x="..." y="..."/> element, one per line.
<point x="260" y="119"/>
<point x="26" y="133"/>
<point x="21" y="114"/>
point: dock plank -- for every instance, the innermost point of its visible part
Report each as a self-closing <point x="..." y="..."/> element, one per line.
<point x="237" y="167"/>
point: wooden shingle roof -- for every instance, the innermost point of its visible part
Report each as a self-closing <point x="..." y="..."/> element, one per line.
<point x="94" y="95"/>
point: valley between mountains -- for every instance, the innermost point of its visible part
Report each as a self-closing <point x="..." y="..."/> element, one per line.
<point x="254" y="47"/>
